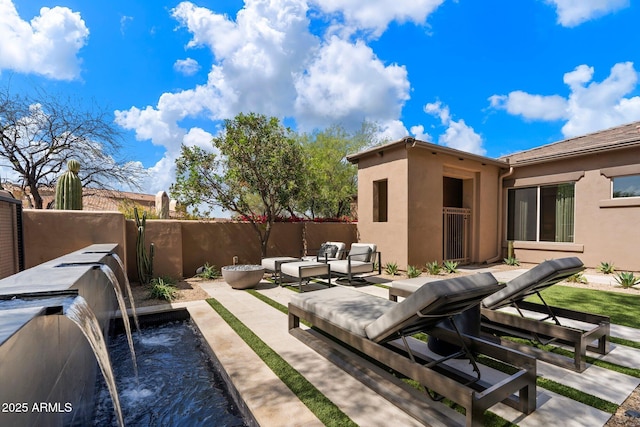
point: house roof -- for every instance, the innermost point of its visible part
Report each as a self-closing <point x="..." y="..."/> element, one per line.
<point x="615" y="138"/>
<point x="409" y="142"/>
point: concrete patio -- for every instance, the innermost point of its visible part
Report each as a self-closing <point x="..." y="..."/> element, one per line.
<point x="273" y="404"/>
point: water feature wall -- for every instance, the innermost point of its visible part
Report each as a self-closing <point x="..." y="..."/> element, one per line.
<point x="47" y="368"/>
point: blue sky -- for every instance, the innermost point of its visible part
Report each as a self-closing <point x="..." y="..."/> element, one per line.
<point x="489" y="77"/>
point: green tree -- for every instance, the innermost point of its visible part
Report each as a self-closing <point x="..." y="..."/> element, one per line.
<point x="40" y="133"/>
<point x="256" y="173"/>
<point x="331" y="181"/>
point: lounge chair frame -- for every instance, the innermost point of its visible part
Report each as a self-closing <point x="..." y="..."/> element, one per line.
<point x="474" y="395"/>
<point x="501" y="323"/>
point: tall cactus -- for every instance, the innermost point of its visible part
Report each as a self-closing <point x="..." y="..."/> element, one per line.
<point x="69" y="188"/>
<point x="144" y="261"/>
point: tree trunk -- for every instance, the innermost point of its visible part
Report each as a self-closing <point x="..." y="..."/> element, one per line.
<point x="37" y="199"/>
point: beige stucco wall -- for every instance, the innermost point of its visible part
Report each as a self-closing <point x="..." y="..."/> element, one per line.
<point x="413" y="234"/>
<point x="391" y="237"/>
<point x="180" y="246"/>
<point x="49" y="234"/>
<point x="603" y="231"/>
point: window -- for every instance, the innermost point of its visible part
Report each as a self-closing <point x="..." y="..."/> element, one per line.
<point x="626" y="186"/>
<point x="541" y="214"/>
<point x="380" y="201"/>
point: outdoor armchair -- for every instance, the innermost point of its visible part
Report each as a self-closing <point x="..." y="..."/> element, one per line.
<point x="362" y="258"/>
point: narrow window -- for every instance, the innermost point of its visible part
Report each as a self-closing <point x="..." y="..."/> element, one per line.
<point x="521" y="221"/>
<point x="626" y="186"/>
<point x="380" y="201"/>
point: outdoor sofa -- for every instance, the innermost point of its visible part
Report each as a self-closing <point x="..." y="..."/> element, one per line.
<point x="382" y="330"/>
<point x="505" y="313"/>
<point x="362" y="258"/>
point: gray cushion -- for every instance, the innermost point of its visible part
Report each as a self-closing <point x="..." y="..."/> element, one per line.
<point x="411" y="285"/>
<point x="438" y="299"/>
<point x="539" y="277"/>
<point x="346" y="308"/>
<point x="304" y="269"/>
<point x="342" y="266"/>
<point x="270" y="263"/>
<point x="360" y="252"/>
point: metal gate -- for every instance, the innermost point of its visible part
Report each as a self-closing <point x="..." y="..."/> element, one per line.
<point x="457" y="223"/>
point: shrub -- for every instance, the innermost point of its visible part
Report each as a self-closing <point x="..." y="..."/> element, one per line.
<point x="627" y="279"/>
<point x="209" y="272"/>
<point x="606" y="267"/>
<point x="450" y="266"/>
<point x="577" y="278"/>
<point x="434" y="268"/>
<point x="162" y="288"/>
<point x="511" y="261"/>
<point x="391" y="268"/>
<point x="413" y="271"/>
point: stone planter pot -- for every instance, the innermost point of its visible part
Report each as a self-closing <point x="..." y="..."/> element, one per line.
<point x="242" y="276"/>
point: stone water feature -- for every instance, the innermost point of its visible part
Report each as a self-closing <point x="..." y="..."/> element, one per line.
<point x="47" y="367"/>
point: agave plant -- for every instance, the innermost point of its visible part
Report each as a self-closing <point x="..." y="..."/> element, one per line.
<point x="391" y="268"/>
<point x="627" y="279"/>
<point x="413" y="271"/>
<point x="606" y="267"/>
<point x="434" y="268"/>
<point x="450" y="266"/>
<point x="577" y="278"/>
<point x="511" y="261"/>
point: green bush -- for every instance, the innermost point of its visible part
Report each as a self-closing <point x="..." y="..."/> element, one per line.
<point x="163" y="288"/>
<point x="209" y="272"/>
<point x="391" y="268"/>
<point x="606" y="267"/>
<point x="511" y="261"/>
<point x="450" y="266"/>
<point x="413" y="271"/>
<point x="434" y="268"/>
<point x="627" y="279"/>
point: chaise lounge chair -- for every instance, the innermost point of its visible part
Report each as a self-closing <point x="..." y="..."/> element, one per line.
<point x="540" y="322"/>
<point x="381" y="329"/>
<point x="362" y="258"/>
<point x="533" y="321"/>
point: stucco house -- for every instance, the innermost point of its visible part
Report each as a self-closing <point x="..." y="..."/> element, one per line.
<point x="422" y="202"/>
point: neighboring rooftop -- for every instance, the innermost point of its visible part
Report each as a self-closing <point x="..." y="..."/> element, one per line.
<point x="615" y="138"/>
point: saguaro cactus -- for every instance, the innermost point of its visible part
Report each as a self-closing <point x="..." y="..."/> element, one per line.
<point x="69" y="188"/>
<point x="144" y="261"/>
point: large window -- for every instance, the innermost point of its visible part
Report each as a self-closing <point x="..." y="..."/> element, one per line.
<point x="626" y="186"/>
<point x="541" y="214"/>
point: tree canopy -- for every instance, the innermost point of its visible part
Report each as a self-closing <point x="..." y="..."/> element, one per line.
<point x="40" y="133"/>
<point x="331" y="181"/>
<point x="255" y="171"/>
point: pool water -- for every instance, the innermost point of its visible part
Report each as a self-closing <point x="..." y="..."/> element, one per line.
<point x="177" y="384"/>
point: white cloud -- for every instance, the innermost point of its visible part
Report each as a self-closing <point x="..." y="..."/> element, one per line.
<point x="188" y="66"/>
<point x="574" y="12"/>
<point x="590" y="106"/>
<point x="375" y="15"/>
<point x="419" y="133"/>
<point x="48" y="45"/>
<point x="458" y="135"/>
<point x="347" y="83"/>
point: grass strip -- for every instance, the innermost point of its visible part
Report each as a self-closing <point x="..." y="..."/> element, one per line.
<point x="625" y="342"/>
<point x="328" y="413"/>
<point x="616" y="305"/>
<point x="490" y="419"/>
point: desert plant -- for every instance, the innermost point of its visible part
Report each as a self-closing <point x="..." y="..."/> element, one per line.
<point x="391" y="268"/>
<point x="209" y="272"/>
<point x="577" y="278"/>
<point x="434" y="268"/>
<point x="450" y="266"/>
<point x="511" y="261"/>
<point x="163" y="289"/>
<point x="69" y="188"/>
<point x="144" y="260"/>
<point x="413" y="271"/>
<point x="627" y="279"/>
<point x="606" y="267"/>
